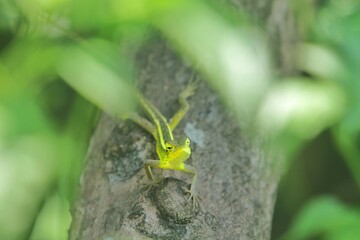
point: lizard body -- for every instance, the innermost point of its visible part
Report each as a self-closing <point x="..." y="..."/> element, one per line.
<point x="172" y="152"/>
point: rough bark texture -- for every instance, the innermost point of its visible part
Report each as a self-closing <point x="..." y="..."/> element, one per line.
<point x="237" y="183"/>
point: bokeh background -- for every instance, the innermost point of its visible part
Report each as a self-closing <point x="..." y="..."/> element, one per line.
<point x="63" y="61"/>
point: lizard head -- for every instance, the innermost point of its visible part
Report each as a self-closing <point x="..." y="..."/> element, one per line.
<point x="178" y="151"/>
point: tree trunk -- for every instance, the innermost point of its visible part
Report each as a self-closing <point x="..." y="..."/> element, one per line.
<point x="237" y="182"/>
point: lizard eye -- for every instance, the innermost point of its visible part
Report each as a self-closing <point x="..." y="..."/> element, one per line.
<point x="187" y="141"/>
<point x="169" y="148"/>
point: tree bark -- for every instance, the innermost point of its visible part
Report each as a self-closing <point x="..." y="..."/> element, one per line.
<point x="237" y="182"/>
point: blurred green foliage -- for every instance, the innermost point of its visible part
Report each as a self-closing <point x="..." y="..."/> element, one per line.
<point x="89" y="45"/>
<point x="326" y="218"/>
<point x="330" y="54"/>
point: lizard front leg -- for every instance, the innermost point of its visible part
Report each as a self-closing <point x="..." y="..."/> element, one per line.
<point x="151" y="164"/>
<point x="193" y="193"/>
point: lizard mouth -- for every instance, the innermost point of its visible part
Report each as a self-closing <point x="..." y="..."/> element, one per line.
<point x="187" y="150"/>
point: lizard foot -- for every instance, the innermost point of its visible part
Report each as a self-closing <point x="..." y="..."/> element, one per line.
<point x="195" y="198"/>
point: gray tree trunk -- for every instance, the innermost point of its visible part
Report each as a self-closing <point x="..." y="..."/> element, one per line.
<point x="237" y="182"/>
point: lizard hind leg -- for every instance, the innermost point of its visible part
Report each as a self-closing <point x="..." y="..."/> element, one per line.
<point x="187" y="92"/>
<point x="142" y="122"/>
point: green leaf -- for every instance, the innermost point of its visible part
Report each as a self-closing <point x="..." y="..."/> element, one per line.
<point x="326" y="217"/>
<point x="97" y="82"/>
<point x="297" y="110"/>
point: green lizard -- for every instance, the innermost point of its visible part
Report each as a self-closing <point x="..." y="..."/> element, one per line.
<point x="172" y="152"/>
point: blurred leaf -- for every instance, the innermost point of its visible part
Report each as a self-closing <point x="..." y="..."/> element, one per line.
<point x="328" y="218"/>
<point x="53" y="221"/>
<point x="321" y="62"/>
<point x="96" y="82"/>
<point x="336" y="34"/>
<point x="75" y="142"/>
<point x="335" y="56"/>
<point x="22" y="116"/>
<point x="297" y="110"/>
<point x="95" y="15"/>
<point x="232" y="56"/>
<point x="347" y="138"/>
<point x="28" y="165"/>
<point x="9" y="15"/>
<point x="33" y="71"/>
<point x="340" y="23"/>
